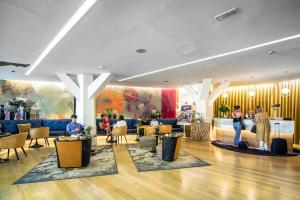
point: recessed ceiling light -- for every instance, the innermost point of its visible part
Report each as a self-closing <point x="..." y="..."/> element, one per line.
<point x="13" y="71"/>
<point x="84" y="7"/>
<point x="271" y="52"/>
<point x="141" y="50"/>
<point x="165" y="81"/>
<point x="214" y="57"/>
<point x="100" y="67"/>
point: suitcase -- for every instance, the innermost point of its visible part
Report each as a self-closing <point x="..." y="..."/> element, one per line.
<point x="279" y="145"/>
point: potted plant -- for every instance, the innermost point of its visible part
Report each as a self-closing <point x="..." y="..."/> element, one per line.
<point x="223" y="109"/>
<point x="88" y="130"/>
<point x="28" y="104"/>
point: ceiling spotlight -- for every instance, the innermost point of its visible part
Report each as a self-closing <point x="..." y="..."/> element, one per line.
<point x="271" y="52"/>
<point x="165" y="81"/>
<point x="141" y="50"/>
<point x="100" y="67"/>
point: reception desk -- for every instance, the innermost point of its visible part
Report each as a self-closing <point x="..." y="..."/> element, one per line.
<point x="223" y="131"/>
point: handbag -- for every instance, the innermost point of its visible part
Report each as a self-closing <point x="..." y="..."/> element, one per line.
<point x="243" y="125"/>
<point x="253" y="129"/>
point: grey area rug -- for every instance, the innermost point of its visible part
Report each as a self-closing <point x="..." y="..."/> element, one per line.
<point x="146" y="160"/>
<point x="102" y="163"/>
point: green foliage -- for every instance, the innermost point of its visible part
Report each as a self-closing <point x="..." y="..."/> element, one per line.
<point x="224" y="108"/>
<point x="88" y="129"/>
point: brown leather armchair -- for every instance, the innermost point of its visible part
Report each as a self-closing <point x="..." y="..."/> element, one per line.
<point x="14" y="142"/>
<point x="38" y="133"/>
<point x="165" y="129"/>
<point x="73" y="153"/>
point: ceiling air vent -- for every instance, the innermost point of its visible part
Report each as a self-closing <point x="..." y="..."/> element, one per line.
<point x="226" y="14"/>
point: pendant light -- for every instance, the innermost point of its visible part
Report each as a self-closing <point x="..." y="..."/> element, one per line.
<point x="251" y="92"/>
<point x="285" y="90"/>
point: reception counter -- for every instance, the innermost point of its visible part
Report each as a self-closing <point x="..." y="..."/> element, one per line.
<point x="223" y="131"/>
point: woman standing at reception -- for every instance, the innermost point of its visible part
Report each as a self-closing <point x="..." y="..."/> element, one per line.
<point x="262" y="128"/>
<point x="237" y="117"/>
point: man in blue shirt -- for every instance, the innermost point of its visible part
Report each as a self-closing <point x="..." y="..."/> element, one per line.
<point x="74" y="128"/>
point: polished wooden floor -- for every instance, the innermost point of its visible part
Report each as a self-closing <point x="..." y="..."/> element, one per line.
<point x="230" y="176"/>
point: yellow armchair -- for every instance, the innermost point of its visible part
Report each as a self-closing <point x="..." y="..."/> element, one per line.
<point x="13" y="142"/>
<point x="38" y="133"/>
<point x="149" y="131"/>
<point x="120" y="131"/>
<point x="165" y="129"/>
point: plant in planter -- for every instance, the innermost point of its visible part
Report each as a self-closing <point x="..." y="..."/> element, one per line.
<point x="109" y="112"/>
<point x="88" y="130"/>
<point x="28" y="104"/>
<point x="223" y="109"/>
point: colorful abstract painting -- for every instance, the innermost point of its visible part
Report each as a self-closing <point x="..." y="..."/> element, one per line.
<point x="51" y="100"/>
<point x="132" y="102"/>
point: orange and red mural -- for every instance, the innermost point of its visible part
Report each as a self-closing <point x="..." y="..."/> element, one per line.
<point x="136" y="102"/>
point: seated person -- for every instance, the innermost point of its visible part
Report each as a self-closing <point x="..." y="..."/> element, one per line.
<point x="106" y="126"/>
<point x="120" y="123"/>
<point x="154" y="122"/>
<point x="144" y="121"/>
<point x="74" y="128"/>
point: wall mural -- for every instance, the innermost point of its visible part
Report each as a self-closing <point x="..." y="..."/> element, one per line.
<point x="132" y="102"/>
<point x="48" y="100"/>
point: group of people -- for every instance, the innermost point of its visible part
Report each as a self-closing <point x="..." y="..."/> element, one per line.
<point x="75" y="129"/>
<point x="261" y="121"/>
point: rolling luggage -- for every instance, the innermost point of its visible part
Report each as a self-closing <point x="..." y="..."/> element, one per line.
<point x="279" y="145"/>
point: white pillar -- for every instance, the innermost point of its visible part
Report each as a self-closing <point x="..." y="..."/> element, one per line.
<point x="200" y="96"/>
<point x="204" y="100"/>
<point x="85" y="93"/>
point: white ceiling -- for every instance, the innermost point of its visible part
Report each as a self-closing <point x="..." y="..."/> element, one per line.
<point x="172" y="32"/>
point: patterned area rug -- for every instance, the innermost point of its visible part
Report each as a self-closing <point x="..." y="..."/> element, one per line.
<point x="102" y="163"/>
<point x="147" y="160"/>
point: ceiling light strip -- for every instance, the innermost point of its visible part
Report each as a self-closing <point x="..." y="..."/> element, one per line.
<point x="82" y="10"/>
<point x="216" y="56"/>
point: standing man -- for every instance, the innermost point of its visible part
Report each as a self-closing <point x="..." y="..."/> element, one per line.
<point x="74" y="128"/>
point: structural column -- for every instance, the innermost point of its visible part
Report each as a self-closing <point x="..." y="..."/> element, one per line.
<point x="85" y="91"/>
<point x="204" y="98"/>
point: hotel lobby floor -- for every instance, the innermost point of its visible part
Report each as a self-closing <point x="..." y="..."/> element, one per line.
<point x="230" y="176"/>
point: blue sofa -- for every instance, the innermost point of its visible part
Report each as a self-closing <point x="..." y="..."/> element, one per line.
<point x="131" y="125"/>
<point x="10" y="126"/>
<point x="58" y="126"/>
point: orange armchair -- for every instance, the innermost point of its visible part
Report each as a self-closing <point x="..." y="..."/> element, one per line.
<point x="14" y="142"/>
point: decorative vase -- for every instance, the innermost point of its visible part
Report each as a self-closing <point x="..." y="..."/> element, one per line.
<point x="11" y="115"/>
<point x="27" y="115"/>
<point x="223" y="115"/>
<point x="2" y="114"/>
